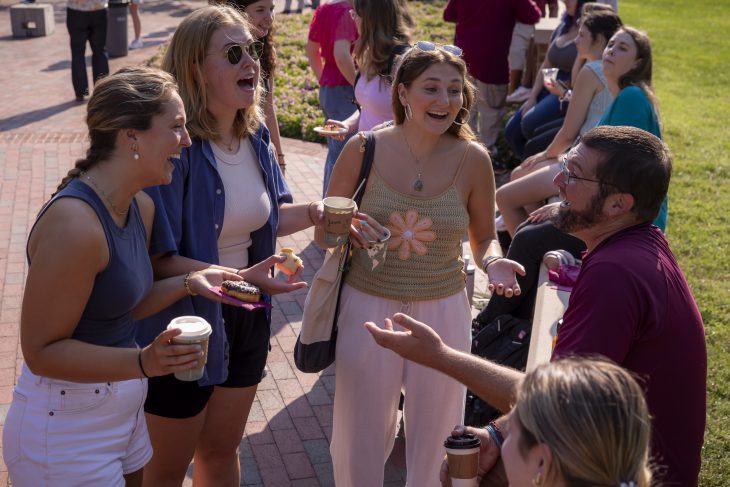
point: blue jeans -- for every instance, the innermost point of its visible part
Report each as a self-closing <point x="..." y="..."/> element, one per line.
<point x="337" y="103"/>
<point x="520" y="129"/>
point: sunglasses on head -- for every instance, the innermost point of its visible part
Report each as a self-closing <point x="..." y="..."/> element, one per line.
<point x="427" y="46"/>
<point x="234" y="53"/>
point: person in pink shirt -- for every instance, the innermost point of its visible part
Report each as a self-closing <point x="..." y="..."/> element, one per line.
<point x="331" y="37"/>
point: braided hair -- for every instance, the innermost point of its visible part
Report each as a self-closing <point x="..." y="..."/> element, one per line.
<point x="128" y="99"/>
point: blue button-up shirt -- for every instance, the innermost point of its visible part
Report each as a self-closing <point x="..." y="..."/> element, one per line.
<point x="188" y="220"/>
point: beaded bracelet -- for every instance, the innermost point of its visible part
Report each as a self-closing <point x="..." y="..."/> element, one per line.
<point x="186" y="283"/>
<point x="495" y="433"/>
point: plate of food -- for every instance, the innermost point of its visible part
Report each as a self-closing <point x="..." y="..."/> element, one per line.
<point x="240" y="293"/>
<point x="330" y="129"/>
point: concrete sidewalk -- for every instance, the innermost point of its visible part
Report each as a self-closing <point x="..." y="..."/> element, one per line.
<point x="42" y="132"/>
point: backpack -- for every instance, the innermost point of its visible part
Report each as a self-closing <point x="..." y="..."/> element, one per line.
<point x="506" y="341"/>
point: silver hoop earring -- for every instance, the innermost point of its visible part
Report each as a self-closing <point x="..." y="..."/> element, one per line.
<point x="136" y="154"/>
<point x="408" y="111"/>
<point x="464" y="119"/>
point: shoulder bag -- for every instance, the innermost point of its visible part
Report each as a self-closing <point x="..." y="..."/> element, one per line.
<point x="315" y="347"/>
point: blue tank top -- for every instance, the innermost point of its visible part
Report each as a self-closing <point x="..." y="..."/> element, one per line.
<point x="107" y="318"/>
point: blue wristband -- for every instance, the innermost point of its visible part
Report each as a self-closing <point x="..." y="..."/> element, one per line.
<point x="494" y="432"/>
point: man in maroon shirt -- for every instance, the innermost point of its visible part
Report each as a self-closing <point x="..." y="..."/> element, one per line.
<point x="484" y="32"/>
<point x="631" y="302"/>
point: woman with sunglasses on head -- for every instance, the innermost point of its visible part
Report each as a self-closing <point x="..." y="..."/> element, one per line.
<point x="430" y="184"/>
<point x="76" y="413"/>
<point x="532" y="181"/>
<point x="384" y="35"/>
<point x="226" y="205"/>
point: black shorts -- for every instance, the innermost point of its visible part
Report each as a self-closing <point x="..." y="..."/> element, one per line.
<point x="248" y="334"/>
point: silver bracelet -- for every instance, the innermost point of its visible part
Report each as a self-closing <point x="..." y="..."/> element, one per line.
<point x="491" y="259"/>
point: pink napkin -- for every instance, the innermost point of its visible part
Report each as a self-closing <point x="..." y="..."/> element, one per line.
<point x="237" y="302"/>
<point x="564" y="277"/>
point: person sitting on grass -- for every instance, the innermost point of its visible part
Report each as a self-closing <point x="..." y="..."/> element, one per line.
<point x="631" y="303"/>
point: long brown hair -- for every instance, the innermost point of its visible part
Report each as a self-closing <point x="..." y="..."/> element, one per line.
<point x="641" y="75"/>
<point x="128" y="99"/>
<point x="385" y="24"/>
<point x="414" y="63"/>
<point x="184" y="60"/>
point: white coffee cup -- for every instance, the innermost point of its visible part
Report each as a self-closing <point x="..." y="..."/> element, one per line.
<point x="194" y="330"/>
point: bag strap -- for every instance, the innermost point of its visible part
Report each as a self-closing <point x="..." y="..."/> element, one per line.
<point x="368" y="147"/>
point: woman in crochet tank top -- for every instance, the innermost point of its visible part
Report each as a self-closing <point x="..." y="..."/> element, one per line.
<point x="430" y="184"/>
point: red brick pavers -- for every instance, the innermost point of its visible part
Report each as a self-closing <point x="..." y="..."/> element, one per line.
<point x="41" y="133"/>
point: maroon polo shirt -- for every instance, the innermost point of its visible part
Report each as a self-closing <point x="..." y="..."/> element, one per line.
<point x="632" y="304"/>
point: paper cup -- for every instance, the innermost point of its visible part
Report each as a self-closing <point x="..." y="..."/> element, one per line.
<point x="373" y="258"/>
<point x="338" y="213"/>
<point x="194" y="330"/>
<point x="462" y="453"/>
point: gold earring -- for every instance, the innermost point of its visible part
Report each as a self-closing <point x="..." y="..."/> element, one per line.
<point x="136" y="154"/>
<point x="537" y="480"/>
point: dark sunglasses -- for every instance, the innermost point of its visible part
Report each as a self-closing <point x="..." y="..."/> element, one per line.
<point x="427" y="46"/>
<point x="235" y="52"/>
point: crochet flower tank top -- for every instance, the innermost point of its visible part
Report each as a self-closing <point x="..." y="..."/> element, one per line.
<point x="423" y="259"/>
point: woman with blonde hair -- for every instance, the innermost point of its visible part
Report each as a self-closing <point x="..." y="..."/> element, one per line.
<point x="578" y="422"/>
<point x="76" y="416"/>
<point x="226" y="205"/>
<point x="260" y="14"/>
<point x="430" y="184"/>
<point x="384" y="27"/>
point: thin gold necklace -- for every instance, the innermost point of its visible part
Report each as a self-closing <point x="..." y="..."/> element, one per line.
<point x="104" y="195"/>
<point x="418" y="183"/>
<point x="229" y="145"/>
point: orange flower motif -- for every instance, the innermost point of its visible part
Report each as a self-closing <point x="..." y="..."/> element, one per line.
<point x="409" y="234"/>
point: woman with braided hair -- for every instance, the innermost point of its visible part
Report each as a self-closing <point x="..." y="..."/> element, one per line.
<point x="76" y="415"/>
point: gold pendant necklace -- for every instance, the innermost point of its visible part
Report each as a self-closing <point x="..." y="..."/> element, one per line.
<point x="104" y="195"/>
<point x="418" y="183"/>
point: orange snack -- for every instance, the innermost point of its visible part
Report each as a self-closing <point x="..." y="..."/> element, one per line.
<point x="292" y="264"/>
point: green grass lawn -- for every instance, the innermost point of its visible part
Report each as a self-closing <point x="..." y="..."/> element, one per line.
<point x="692" y="80"/>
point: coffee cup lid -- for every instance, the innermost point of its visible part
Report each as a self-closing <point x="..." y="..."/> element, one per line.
<point x="462" y="442"/>
<point x="191" y="326"/>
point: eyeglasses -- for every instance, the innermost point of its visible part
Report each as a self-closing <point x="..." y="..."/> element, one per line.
<point x="570" y="176"/>
<point x="428" y="46"/>
<point x="235" y="52"/>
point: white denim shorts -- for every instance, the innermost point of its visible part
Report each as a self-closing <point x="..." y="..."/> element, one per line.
<point x="60" y="433"/>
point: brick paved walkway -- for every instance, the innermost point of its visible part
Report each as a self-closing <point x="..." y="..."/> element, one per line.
<point x="41" y="134"/>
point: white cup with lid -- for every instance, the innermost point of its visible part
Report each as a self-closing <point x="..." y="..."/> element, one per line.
<point x="194" y="330"/>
